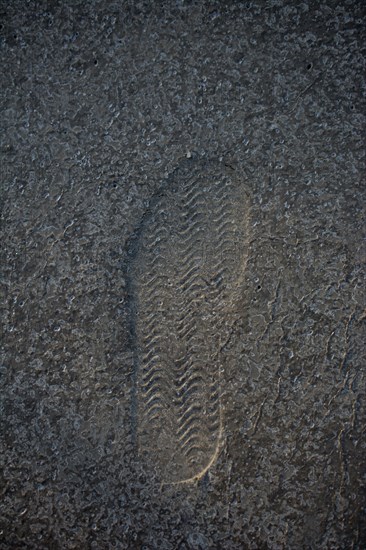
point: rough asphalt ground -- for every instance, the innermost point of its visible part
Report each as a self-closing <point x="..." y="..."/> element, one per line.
<point x="101" y="102"/>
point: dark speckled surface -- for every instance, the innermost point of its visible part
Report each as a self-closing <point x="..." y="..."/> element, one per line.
<point x="101" y="102"/>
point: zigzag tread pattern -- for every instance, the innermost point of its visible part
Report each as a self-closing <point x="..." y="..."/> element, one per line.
<point x="185" y="274"/>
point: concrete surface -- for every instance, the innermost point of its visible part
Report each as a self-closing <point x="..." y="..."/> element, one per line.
<point x="101" y="102"/>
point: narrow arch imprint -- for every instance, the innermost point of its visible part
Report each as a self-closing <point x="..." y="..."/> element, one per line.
<point x="187" y="262"/>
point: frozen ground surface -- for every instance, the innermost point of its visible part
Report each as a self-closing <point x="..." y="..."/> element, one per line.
<point x="101" y="102"/>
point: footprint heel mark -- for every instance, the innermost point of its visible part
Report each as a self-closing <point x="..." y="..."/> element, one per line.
<point x="186" y="266"/>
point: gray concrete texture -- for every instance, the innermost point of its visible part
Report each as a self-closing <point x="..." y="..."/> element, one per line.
<point x="102" y="101"/>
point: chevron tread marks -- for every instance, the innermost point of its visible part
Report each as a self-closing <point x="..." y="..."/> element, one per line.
<point x="185" y="279"/>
